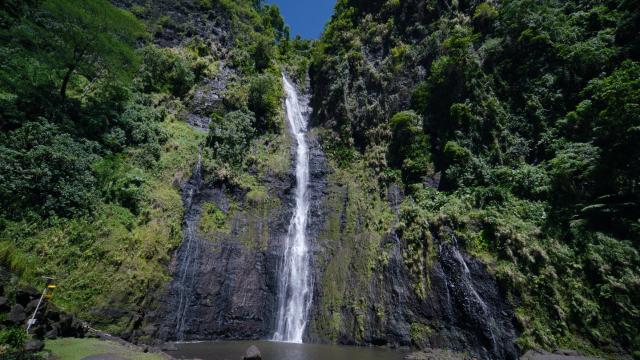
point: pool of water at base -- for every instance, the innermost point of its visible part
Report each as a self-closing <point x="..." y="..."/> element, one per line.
<point x="271" y="350"/>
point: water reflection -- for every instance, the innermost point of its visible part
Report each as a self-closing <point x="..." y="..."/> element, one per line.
<point x="221" y="350"/>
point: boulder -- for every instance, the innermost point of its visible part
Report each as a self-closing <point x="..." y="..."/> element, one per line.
<point x="4" y="305"/>
<point x="52" y="334"/>
<point x="252" y="353"/>
<point x="17" y="315"/>
<point x="34" y="346"/>
<point x="69" y="326"/>
<point x="51" y="312"/>
<point x="31" y="306"/>
<point x="26" y="294"/>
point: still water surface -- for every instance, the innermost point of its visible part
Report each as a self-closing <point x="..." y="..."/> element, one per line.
<point x="232" y="350"/>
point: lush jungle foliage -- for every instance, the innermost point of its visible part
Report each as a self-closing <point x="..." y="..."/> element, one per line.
<point x="525" y="116"/>
<point x="514" y="123"/>
<point x="93" y="142"/>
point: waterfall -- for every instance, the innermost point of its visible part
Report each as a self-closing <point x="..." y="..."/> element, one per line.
<point x="189" y="250"/>
<point x="294" y="287"/>
<point x="475" y="303"/>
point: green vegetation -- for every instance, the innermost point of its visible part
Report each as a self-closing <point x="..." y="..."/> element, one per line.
<point x="76" y="349"/>
<point x="358" y="219"/>
<point x="513" y="125"/>
<point x="92" y="153"/>
<point x="524" y="114"/>
<point x="213" y="221"/>
<point x="12" y="341"/>
<point x="230" y="137"/>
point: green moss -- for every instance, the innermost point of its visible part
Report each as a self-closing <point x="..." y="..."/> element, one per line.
<point x="357" y="221"/>
<point x="419" y="333"/>
<point x="213" y="221"/>
<point x="254" y="222"/>
<point x="179" y="152"/>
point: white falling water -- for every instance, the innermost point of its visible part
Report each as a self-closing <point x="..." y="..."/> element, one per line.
<point x="294" y="284"/>
<point x="190" y="252"/>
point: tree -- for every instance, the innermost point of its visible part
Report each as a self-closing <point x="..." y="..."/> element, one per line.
<point x="409" y="147"/>
<point x="166" y="70"/>
<point x="265" y="94"/>
<point x="231" y="135"/>
<point x="609" y="119"/>
<point x="13" y="10"/>
<point x="90" y="38"/>
<point x="263" y="53"/>
<point x="45" y="172"/>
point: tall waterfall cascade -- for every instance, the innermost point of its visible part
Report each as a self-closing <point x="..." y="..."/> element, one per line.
<point x="294" y="286"/>
<point x="190" y="254"/>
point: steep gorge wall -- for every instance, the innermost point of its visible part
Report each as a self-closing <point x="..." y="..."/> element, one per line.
<point x="225" y="273"/>
<point x="367" y="295"/>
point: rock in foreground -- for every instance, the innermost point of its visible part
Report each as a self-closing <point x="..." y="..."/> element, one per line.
<point x="252" y="353"/>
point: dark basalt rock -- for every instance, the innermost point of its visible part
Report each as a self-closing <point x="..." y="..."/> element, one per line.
<point x="222" y="288"/>
<point x="463" y="310"/>
<point x="464" y="307"/>
<point x="27" y="294"/>
<point x="16" y="315"/>
<point x="34" y="346"/>
<point x="4" y="305"/>
<point x="187" y="19"/>
<point x="31" y="306"/>
<point x="50" y="321"/>
<point x="52" y="334"/>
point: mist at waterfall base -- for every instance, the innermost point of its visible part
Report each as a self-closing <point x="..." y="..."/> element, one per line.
<point x="281" y="351"/>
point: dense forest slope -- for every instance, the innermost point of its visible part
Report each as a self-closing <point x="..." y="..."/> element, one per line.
<point x="474" y="169"/>
<point x="511" y="126"/>
<point x="96" y="148"/>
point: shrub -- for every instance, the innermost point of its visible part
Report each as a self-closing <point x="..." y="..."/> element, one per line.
<point x="231" y="135"/>
<point x="264" y="100"/>
<point x="14" y="337"/>
<point x="484" y="15"/>
<point x="409" y="147"/>
<point x="45" y="172"/>
<point x="166" y="70"/>
<point x="263" y="53"/>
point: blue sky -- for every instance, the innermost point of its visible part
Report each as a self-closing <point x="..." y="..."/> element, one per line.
<point x="305" y="17"/>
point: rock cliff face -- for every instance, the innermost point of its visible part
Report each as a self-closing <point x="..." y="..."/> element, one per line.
<point x="189" y="23"/>
<point x="224" y="285"/>
<point x="224" y="277"/>
<point x="366" y="295"/>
